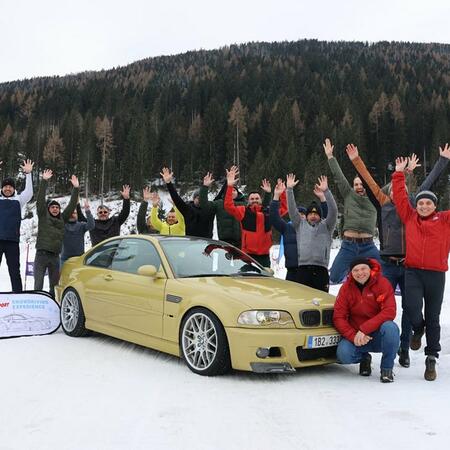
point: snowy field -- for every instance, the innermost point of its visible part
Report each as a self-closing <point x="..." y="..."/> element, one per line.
<point x="99" y="393"/>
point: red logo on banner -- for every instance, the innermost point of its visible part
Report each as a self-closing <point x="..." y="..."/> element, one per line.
<point x="4" y="305"/>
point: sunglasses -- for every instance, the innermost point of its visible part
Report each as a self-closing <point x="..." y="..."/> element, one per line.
<point x="103" y="212"/>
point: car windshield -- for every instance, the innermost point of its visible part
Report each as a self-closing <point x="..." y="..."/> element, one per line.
<point x="204" y="258"/>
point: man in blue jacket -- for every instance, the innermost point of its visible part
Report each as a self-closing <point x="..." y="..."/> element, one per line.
<point x="11" y="204"/>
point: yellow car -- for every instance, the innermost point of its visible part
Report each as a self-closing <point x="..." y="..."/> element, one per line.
<point x="197" y="298"/>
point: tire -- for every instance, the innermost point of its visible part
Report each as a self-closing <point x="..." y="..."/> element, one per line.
<point x="204" y="344"/>
<point x="72" y="314"/>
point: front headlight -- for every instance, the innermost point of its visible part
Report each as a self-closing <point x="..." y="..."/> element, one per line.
<point x="265" y="318"/>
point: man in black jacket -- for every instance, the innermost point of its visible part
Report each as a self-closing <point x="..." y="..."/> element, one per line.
<point x="199" y="222"/>
<point x="105" y="226"/>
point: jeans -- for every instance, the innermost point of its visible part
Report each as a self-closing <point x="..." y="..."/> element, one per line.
<point x="12" y="254"/>
<point x="385" y="340"/>
<point x="314" y="276"/>
<point x="348" y="252"/>
<point x="46" y="260"/>
<point x="425" y="288"/>
<point x="396" y="275"/>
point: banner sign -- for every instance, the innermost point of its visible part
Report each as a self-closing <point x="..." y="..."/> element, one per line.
<point x="28" y="313"/>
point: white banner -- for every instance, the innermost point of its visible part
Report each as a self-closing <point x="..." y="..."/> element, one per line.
<point x="29" y="313"/>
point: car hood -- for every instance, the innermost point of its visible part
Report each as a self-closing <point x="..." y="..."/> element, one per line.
<point x="261" y="292"/>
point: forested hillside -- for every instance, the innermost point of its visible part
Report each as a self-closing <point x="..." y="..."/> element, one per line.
<point x="265" y="106"/>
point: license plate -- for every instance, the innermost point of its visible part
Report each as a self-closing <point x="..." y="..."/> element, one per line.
<point x="323" y="341"/>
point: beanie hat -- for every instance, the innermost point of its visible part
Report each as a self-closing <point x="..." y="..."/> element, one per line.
<point x="427" y="194"/>
<point x="9" y="182"/>
<point x="314" y="208"/>
<point x="360" y="260"/>
<point x="301" y="209"/>
<point x="53" y="203"/>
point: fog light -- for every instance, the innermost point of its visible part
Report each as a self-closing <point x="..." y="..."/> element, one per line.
<point x="262" y="352"/>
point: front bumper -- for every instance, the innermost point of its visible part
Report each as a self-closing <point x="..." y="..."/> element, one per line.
<point x="289" y="345"/>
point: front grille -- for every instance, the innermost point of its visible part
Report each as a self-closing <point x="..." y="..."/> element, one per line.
<point x="310" y="318"/>
<point x="327" y="317"/>
<point x="308" y="354"/>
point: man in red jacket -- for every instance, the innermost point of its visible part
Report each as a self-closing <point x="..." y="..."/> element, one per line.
<point x="364" y="312"/>
<point x="427" y="249"/>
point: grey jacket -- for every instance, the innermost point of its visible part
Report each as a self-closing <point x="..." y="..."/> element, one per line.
<point x="313" y="241"/>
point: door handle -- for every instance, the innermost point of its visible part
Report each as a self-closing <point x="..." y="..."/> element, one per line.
<point x="107" y="277"/>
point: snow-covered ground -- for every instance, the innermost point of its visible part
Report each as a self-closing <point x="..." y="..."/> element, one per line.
<point x="99" y="393"/>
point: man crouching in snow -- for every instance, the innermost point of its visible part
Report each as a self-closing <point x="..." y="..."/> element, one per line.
<point x="364" y="312"/>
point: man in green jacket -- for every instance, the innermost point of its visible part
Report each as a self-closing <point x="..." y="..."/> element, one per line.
<point x="51" y="232"/>
<point x="360" y="218"/>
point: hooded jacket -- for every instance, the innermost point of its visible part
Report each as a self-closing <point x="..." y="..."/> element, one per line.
<point x="427" y="238"/>
<point x="367" y="309"/>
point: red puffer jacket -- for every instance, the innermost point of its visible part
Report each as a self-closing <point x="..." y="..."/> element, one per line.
<point x="427" y="239"/>
<point x="364" y="310"/>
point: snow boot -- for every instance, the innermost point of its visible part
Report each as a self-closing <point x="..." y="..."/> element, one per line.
<point x="386" y="376"/>
<point x="403" y="358"/>
<point x="416" y="339"/>
<point x="430" y="368"/>
<point x="365" y="369"/>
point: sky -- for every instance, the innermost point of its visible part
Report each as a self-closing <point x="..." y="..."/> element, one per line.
<point x="49" y="37"/>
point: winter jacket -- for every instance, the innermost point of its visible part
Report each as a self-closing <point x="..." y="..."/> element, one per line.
<point x="73" y="241"/>
<point x="365" y="310"/>
<point x="359" y="213"/>
<point x="177" y="229"/>
<point x="392" y="242"/>
<point x="313" y="241"/>
<point x="256" y="234"/>
<point x="105" y="229"/>
<point x="11" y="211"/>
<point x="51" y="229"/>
<point x="228" y="228"/>
<point x="198" y="221"/>
<point x="427" y="238"/>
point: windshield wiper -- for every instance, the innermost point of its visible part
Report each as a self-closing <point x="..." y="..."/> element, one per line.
<point x="200" y="275"/>
<point x="248" y="274"/>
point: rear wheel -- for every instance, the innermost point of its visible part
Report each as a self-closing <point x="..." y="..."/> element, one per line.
<point x="204" y="344"/>
<point x="72" y="314"/>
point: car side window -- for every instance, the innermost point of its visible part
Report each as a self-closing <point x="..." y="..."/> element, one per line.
<point x="134" y="253"/>
<point x="103" y="255"/>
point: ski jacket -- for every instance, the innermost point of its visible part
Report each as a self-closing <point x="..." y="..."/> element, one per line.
<point x="198" y="221"/>
<point x="393" y="241"/>
<point x="177" y="229"/>
<point x="427" y="238"/>
<point x="256" y="233"/>
<point x="11" y="211"/>
<point x="50" y="228"/>
<point x="105" y="229"/>
<point x="359" y="213"/>
<point x="73" y="241"/>
<point x="365" y="310"/>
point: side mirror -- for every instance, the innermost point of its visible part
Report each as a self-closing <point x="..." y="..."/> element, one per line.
<point x="148" y="271"/>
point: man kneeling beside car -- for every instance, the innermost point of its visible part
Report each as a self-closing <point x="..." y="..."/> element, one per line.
<point x="364" y="312"/>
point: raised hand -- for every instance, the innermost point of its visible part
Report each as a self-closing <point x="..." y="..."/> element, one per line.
<point x="154" y="198"/>
<point x="232" y="175"/>
<point x="445" y="153"/>
<point x="413" y="162"/>
<point x="27" y="166"/>
<point x="280" y="187"/>
<point x="291" y="182"/>
<point x="328" y="148"/>
<point x="208" y="179"/>
<point x="400" y="164"/>
<point x="86" y="205"/>
<point x="321" y="187"/>
<point x="146" y="194"/>
<point x="352" y="151"/>
<point x="265" y="186"/>
<point x="125" y="191"/>
<point x="74" y="181"/>
<point x="47" y="174"/>
<point x="167" y="175"/>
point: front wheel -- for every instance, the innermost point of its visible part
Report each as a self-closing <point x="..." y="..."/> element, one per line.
<point x="72" y="314"/>
<point x="204" y="344"/>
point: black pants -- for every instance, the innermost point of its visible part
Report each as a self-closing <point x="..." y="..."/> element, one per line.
<point x="11" y="251"/>
<point x="291" y="274"/>
<point x="316" y="277"/>
<point x="264" y="260"/>
<point x="43" y="261"/>
<point x="425" y="287"/>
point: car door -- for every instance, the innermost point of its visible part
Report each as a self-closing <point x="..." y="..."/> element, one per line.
<point x="136" y="302"/>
